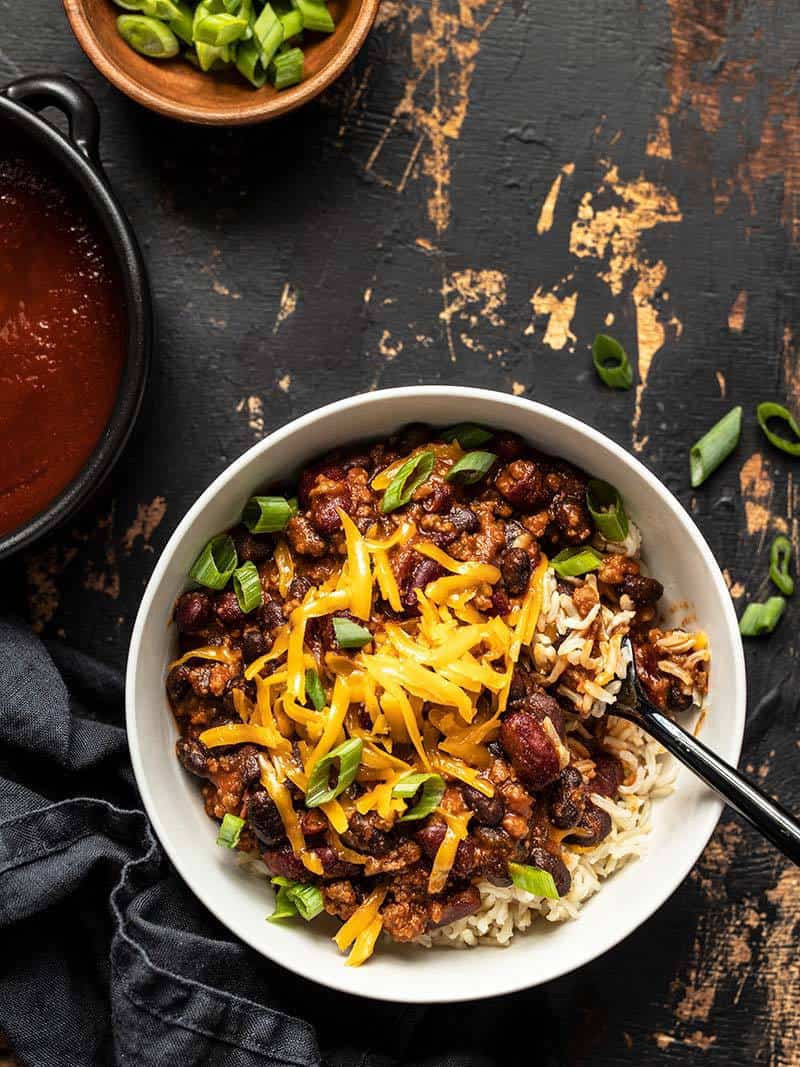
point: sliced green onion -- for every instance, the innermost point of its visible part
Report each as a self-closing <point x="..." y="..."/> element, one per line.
<point x="408" y="479"/>
<point x="761" y="619"/>
<point x="132" y="5"/>
<point x="230" y="831"/>
<point x="349" y="634"/>
<point x="232" y="6"/>
<point x="467" y="434"/>
<point x="611" y="362"/>
<point x="780" y="555"/>
<point x="148" y="36"/>
<point x="294" y="505"/>
<point x="319" y="789"/>
<point x="216" y="563"/>
<point x="249" y="65"/>
<point x="314" y="689"/>
<point x="470" y="468"/>
<point x="287" y="67"/>
<point x="296" y="898"/>
<point x="159" y="9"/>
<point x="219" y="30"/>
<point x="210" y="57"/>
<point x="573" y="562"/>
<point x="315" y="15"/>
<point x="606" y="508"/>
<point x="268" y="32"/>
<point x="432" y="792"/>
<point x="533" y="880"/>
<point x="715" y="446"/>
<point x="182" y="23"/>
<point x="247" y="586"/>
<point x="266" y="514"/>
<point x="768" y="410"/>
<point x="292" y="23"/>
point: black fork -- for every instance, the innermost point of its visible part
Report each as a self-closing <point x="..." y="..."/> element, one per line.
<point x="773" y="821"/>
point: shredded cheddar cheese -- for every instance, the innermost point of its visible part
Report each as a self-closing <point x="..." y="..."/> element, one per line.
<point x="360" y="919"/>
<point x="219" y="653"/>
<point x="446" y="853"/>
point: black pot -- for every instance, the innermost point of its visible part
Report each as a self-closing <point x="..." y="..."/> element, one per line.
<point x="77" y="156"/>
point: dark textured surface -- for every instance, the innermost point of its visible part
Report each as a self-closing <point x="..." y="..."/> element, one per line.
<point x="400" y="216"/>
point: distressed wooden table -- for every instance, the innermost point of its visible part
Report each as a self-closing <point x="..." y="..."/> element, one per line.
<point x="489" y="185"/>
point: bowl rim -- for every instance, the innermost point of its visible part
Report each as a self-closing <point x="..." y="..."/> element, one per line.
<point x="705" y="822"/>
<point x="239" y="115"/>
<point x="85" y="170"/>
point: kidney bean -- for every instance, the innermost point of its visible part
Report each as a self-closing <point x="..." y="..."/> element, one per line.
<point x="677" y="700"/>
<point x="410" y="437"/>
<point x="326" y="468"/>
<point x="333" y="866"/>
<point x="228" y="611"/>
<point x="439" y="497"/>
<point x="594" y="827"/>
<point x="254" y="644"/>
<point x="506" y="446"/>
<point x="501" y="605"/>
<point x="263" y="817"/>
<point x="513" y="530"/>
<point x="488" y="810"/>
<point x="251" y="548"/>
<point x="532" y="752"/>
<point x="572" y="519"/>
<point x="270" y="614"/>
<point x="609" y="775"/>
<point x="298" y="587"/>
<point x="193" y="756"/>
<point x="515" y="568"/>
<point x="178" y="683"/>
<point x="430" y="836"/>
<point x="192" y="611"/>
<point x="363" y="835"/>
<point x="641" y="590"/>
<point x="282" y="862"/>
<point x="546" y="861"/>
<point x="464" y="519"/>
<point x="525" y="694"/>
<point x="427" y="570"/>
<point x="462" y="903"/>
<point x="325" y="508"/>
<point x="521" y="483"/>
<point x="567" y="799"/>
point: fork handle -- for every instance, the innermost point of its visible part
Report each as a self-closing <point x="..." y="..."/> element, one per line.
<point x="774" y="822"/>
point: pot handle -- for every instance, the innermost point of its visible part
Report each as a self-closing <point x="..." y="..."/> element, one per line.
<point x="38" y="91"/>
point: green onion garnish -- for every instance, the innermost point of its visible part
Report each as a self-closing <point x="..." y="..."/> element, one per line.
<point x="216" y="563"/>
<point x="315" y="15"/>
<point x="219" y="30"/>
<point x="761" y="619"/>
<point x="294" y="505"/>
<point x="780" y="555"/>
<point x="408" y="479"/>
<point x="715" y="446"/>
<point x="467" y="434"/>
<point x="611" y="362"/>
<point x="296" y="898"/>
<point x="768" y="410"/>
<point x="148" y="36"/>
<point x="533" y="880"/>
<point x="268" y="34"/>
<point x="470" y="468"/>
<point x="319" y="789"/>
<point x="230" y="831"/>
<point x="247" y="586"/>
<point x="349" y="634"/>
<point x="249" y="65"/>
<point x="286" y="68"/>
<point x="432" y="792"/>
<point x="292" y="23"/>
<point x="573" y="562"/>
<point x="314" y="689"/>
<point x="266" y="514"/>
<point x="606" y="508"/>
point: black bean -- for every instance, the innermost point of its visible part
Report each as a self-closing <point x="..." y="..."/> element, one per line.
<point x="192" y="611"/>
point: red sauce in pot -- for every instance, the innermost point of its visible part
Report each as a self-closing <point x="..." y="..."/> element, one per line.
<point x="62" y="332"/>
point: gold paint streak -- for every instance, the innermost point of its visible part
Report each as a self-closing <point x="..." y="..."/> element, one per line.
<point x="609" y="319"/>
<point x="474" y="292"/>
<point x="723" y="385"/>
<point x="388" y="349"/>
<point x="659" y="143"/>
<point x="148" y="518"/>
<point x="663" y="1040"/>
<point x="736" y="589"/>
<point x="780" y="971"/>
<point x="549" y="206"/>
<point x="284" y="383"/>
<point x="287" y="307"/>
<point x="738" y="313"/>
<point x="517" y="388"/>
<point x="756" y="487"/>
<point x="560" y="313"/>
<point x="254" y="406"/>
<point x="105" y="579"/>
<point x="41" y="570"/>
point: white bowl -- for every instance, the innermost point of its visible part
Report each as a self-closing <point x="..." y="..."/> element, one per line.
<point x="682" y="822"/>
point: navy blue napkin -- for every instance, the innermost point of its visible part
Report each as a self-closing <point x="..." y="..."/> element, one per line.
<point x="106" y="958"/>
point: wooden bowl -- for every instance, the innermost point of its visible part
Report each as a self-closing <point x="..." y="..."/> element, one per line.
<point x="176" y="89"/>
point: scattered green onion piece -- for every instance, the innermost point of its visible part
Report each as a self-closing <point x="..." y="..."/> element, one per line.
<point x="715" y="446"/>
<point x="210" y="57"/>
<point x="232" y="6"/>
<point x="611" y="362"/>
<point x="759" y="619"/>
<point x="769" y="410"/>
<point x="148" y="36"/>
<point x="471" y="467"/>
<point x="606" y="508"/>
<point x="467" y="434"/>
<point x="287" y="67"/>
<point x="230" y="831"/>
<point x="314" y="689"/>
<point x="294" y="505"/>
<point x="161" y="9"/>
<point x="315" y="15"/>
<point x="780" y="555"/>
<point x="132" y="5"/>
<point x="249" y="65"/>
<point x="573" y="562"/>
<point x="533" y="880"/>
<point x="182" y="23"/>
<point x="268" y="32"/>
<point x="319" y="789"/>
<point x="292" y="23"/>
<point x="432" y="792"/>
<point x="216" y="563"/>
<point x="408" y="479"/>
<point x="247" y="586"/>
<point x="296" y="898"/>
<point x="219" y="30"/>
<point x="266" y="514"/>
<point x="349" y="634"/>
<point x="284" y="905"/>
